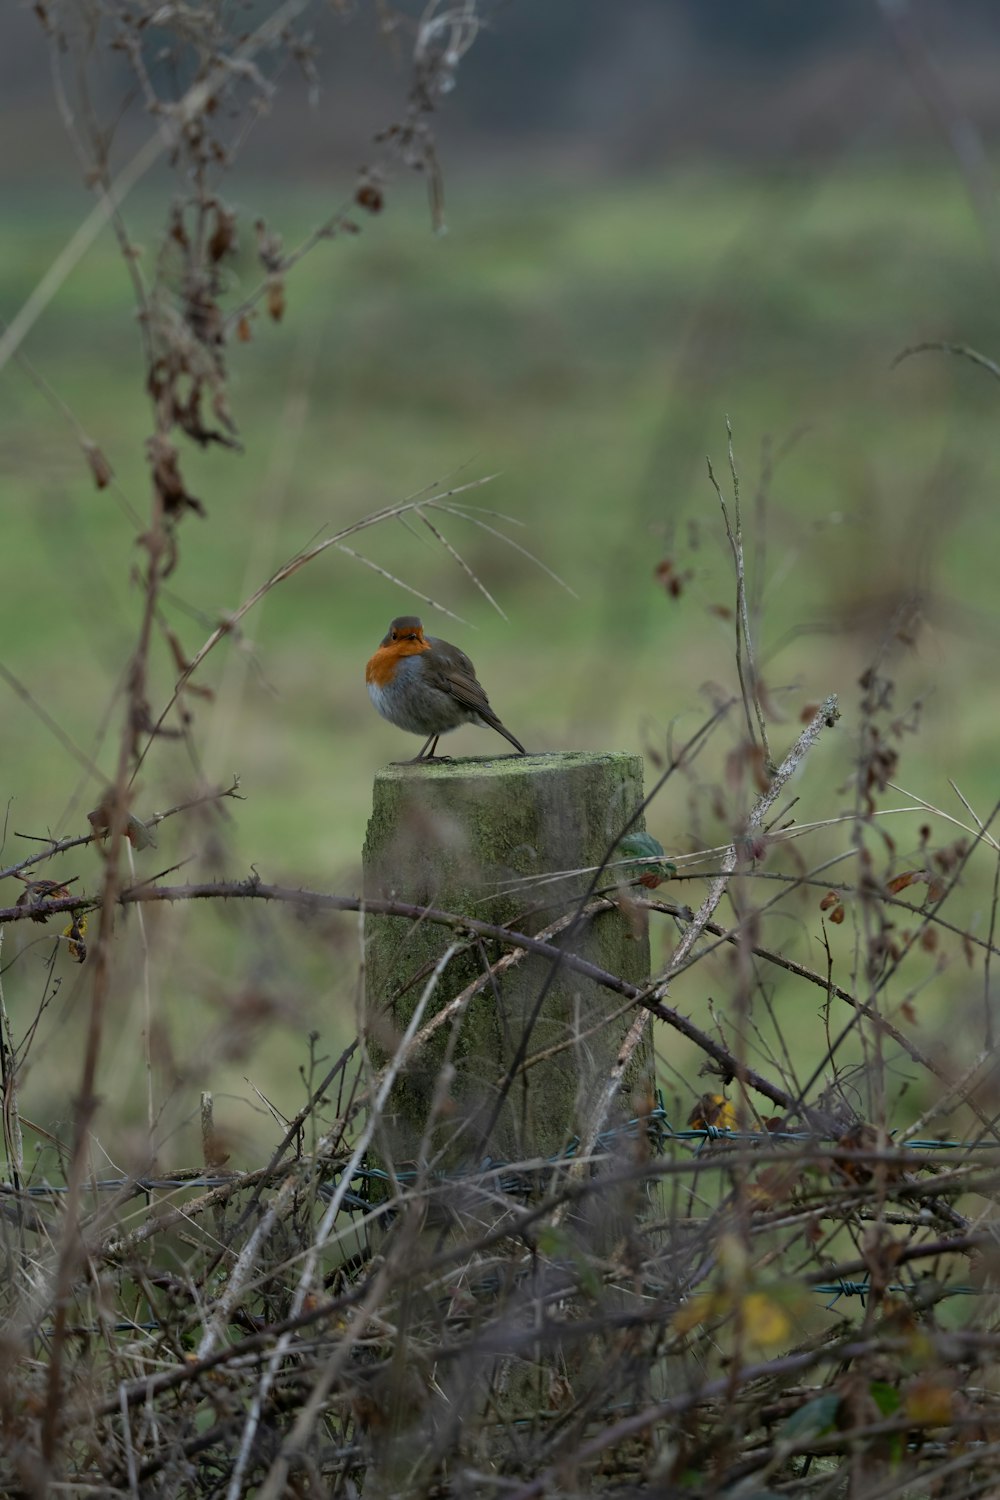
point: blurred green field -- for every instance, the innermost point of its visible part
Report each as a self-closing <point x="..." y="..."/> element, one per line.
<point x="587" y="348"/>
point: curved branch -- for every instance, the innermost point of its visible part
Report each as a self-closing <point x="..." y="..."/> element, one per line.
<point x="319" y="901"/>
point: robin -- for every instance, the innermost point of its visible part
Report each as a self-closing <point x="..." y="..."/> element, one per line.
<point x="427" y="686"/>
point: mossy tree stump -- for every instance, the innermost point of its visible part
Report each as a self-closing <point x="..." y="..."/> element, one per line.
<point x="479" y="837"/>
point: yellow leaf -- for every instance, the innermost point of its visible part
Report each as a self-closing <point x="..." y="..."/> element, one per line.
<point x="713" y="1109"/>
<point x="75" y="932"/>
<point x="696" y="1310"/>
<point x="765" y="1321"/>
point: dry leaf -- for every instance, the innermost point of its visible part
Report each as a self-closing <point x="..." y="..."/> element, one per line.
<point x="75" y="932"/>
<point x="223" y="239"/>
<point x="40" y="890"/>
<point x="929" y="1400"/>
<point x="370" y="197"/>
<point x="765" y="1321"/>
<point x="696" y="1310"/>
<point x="99" y="466"/>
<point x="276" y="299"/>
<point x="713" y="1110"/>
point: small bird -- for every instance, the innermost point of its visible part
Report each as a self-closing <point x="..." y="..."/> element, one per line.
<point x="427" y="686"/>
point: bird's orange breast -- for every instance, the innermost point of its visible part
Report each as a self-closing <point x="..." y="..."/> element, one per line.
<point x="381" y="669"/>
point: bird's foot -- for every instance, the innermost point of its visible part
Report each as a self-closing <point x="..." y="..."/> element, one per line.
<point x="425" y="760"/>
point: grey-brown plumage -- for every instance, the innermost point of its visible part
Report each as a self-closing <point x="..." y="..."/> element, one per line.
<point x="428" y="686"/>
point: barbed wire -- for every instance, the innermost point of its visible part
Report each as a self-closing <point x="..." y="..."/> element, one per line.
<point x="656" y="1125"/>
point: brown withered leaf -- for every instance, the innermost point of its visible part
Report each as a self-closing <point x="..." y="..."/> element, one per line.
<point x="223" y="237"/>
<point x="900" y="882"/>
<point x="831" y="904"/>
<point x="176" y="649"/>
<point x="370" y="197"/>
<point x="863" y="1137"/>
<point x="99" y="817"/>
<point x="276" y="299"/>
<point x="136" y="831"/>
<point x="188" y="416"/>
<point x="244" y="332"/>
<point x="636" y="916"/>
<point x="205" y="318"/>
<point x="671" y="577"/>
<point x="177" y="231"/>
<point x="929" y="1399"/>
<point x="951" y="856"/>
<point x="881" y="768"/>
<point x="774" y="1185"/>
<point x="167" y="480"/>
<point x="181" y="662"/>
<point x="40" y="890"/>
<point x="560" y="1392"/>
<point x="215" y="1148"/>
<point x="220" y="406"/>
<point x="713" y="1110"/>
<point x="99" y="466"/>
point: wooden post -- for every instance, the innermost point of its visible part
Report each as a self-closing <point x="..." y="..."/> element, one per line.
<point x="479" y="837"/>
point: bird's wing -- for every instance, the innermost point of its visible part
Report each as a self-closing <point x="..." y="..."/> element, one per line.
<point x="461" y="682"/>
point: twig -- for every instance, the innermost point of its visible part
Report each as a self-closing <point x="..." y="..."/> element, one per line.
<point x="286" y="571"/>
<point x="824" y="718"/>
<point x="944" y="347"/>
<point x="241" y="1270"/>
<point x="744" y="638"/>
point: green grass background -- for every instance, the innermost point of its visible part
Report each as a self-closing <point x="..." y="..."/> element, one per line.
<point x="586" y="345"/>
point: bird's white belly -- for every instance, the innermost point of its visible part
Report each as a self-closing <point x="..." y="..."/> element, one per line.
<point x="400" y="709"/>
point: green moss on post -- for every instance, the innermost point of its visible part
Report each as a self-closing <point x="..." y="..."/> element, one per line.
<point x="479" y="837"/>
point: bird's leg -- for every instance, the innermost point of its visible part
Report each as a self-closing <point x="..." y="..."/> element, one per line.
<point x="426" y="754"/>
